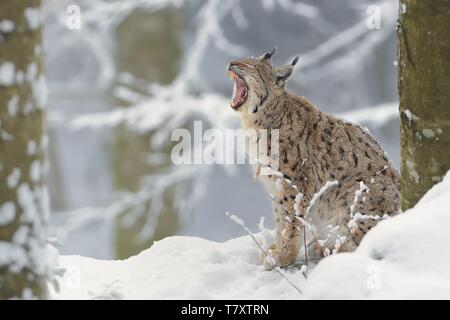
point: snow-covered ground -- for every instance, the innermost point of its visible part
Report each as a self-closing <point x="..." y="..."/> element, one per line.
<point x="178" y="268"/>
<point x="405" y="257"/>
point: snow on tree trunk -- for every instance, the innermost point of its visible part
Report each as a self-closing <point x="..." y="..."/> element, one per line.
<point x="24" y="266"/>
<point x="423" y="40"/>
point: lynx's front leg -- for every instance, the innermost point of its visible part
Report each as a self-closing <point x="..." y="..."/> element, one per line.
<point x="288" y="227"/>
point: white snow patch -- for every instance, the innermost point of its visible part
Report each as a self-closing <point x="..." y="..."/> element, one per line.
<point x="34" y="17"/>
<point x="362" y="188"/>
<point x="38" y="50"/>
<point x="319" y="193"/>
<point x="411" y="117"/>
<point x="6" y="136"/>
<point x="26" y="199"/>
<point x="27" y="294"/>
<point x="403" y="7"/>
<point x="40" y="92"/>
<point x="261" y="226"/>
<point x="278" y="183"/>
<point x="13" y="256"/>
<point x="428" y="133"/>
<point x="412" y="170"/>
<point x="297" y="204"/>
<point x="44" y="142"/>
<point x="32" y="148"/>
<point x="20" y="76"/>
<point x="35" y="170"/>
<point x="21" y="235"/>
<point x="13" y="179"/>
<point x="32" y="72"/>
<point x="13" y="106"/>
<point x="28" y="107"/>
<point x="6" y="26"/>
<point x="235" y="219"/>
<point x="7" y="72"/>
<point x="7" y="213"/>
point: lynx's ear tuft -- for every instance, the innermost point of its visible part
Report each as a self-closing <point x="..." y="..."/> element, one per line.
<point x="283" y="73"/>
<point x="268" y="55"/>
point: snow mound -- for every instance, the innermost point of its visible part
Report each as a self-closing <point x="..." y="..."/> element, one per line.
<point x="179" y="268"/>
<point x="404" y="257"/>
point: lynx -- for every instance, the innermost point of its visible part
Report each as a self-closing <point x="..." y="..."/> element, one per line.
<point x="314" y="148"/>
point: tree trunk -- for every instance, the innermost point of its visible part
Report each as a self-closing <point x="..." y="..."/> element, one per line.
<point x="23" y="196"/>
<point x="423" y="40"/>
<point x="148" y="47"/>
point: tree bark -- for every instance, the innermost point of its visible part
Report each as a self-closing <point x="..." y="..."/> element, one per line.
<point x="423" y="41"/>
<point x="23" y="196"/>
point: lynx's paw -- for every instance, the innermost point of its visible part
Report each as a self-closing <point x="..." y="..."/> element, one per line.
<point x="277" y="258"/>
<point x="268" y="261"/>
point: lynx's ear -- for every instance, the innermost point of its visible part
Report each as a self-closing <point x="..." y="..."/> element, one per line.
<point x="283" y="73"/>
<point x="268" y="55"/>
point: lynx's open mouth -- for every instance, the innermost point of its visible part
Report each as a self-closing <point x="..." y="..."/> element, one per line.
<point x="240" y="90"/>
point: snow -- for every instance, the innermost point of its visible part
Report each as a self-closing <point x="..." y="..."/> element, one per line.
<point x="404" y="257"/>
<point x="403" y="6"/>
<point x="13" y="256"/>
<point x="411" y="166"/>
<point x="409" y="115"/>
<point x="34" y="17"/>
<point x="32" y="72"/>
<point x="235" y="219"/>
<point x="319" y="193"/>
<point x="35" y="170"/>
<point x="21" y="235"/>
<point x="20" y="76"/>
<point x="32" y="148"/>
<point x="297" y="204"/>
<point x="428" y="133"/>
<point x="177" y="268"/>
<point x="7" y="213"/>
<point x="362" y="188"/>
<point x="40" y="92"/>
<point x="26" y="200"/>
<point x="13" y="106"/>
<point x="7" y="71"/>
<point x="6" y="26"/>
<point x="13" y="179"/>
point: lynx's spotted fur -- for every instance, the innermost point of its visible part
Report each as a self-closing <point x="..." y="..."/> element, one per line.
<point x="314" y="147"/>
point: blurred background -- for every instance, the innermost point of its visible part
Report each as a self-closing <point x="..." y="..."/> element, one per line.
<point x="123" y="74"/>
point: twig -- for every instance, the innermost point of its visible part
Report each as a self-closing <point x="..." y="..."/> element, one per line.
<point x="319" y="193"/>
<point x="240" y="222"/>
<point x="302" y="211"/>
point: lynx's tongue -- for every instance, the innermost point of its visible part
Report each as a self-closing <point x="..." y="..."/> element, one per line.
<point x="239" y="92"/>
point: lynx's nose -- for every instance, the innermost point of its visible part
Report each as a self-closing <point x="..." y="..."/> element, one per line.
<point x="235" y="66"/>
<point x="231" y="66"/>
